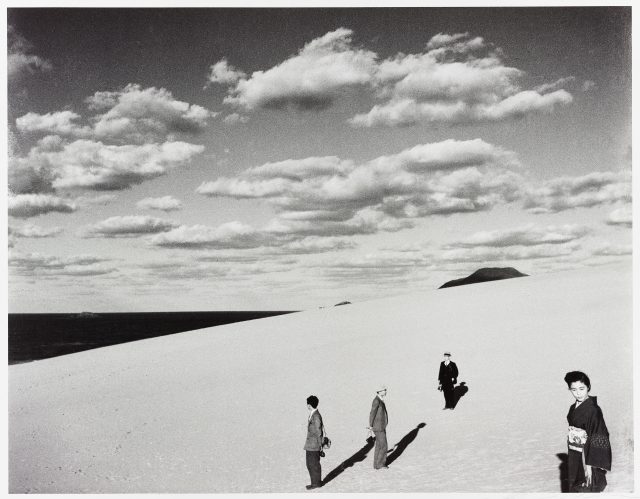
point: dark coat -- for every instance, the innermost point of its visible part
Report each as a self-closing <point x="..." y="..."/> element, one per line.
<point x="314" y="432"/>
<point x="378" y="417"/>
<point x="448" y="375"/>
<point x="588" y="416"/>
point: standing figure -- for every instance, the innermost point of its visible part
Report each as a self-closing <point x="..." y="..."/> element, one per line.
<point x="313" y="445"/>
<point x="378" y="420"/>
<point x="587" y="439"/>
<point x="447" y="378"/>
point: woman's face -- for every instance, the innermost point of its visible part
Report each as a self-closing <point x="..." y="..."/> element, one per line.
<point x="579" y="390"/>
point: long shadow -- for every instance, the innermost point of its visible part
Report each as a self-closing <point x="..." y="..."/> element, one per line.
<point x="399" y="448"/>
<point x="459" y="392"/>
<point x="564" y="471"/>
<point x="359" y="456"/>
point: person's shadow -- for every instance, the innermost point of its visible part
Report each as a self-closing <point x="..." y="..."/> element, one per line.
<point x="399" y="448"/>
<point x="564" y="471"/>
<point x="459" y="392"/>
<point x="359" y="456"/>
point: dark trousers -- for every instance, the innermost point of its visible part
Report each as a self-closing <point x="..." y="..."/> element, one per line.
<point x="380" y="454"/>
<point x="576" y="475"/>
<point x="447" y="390"/>
<point x="314" y="467"/>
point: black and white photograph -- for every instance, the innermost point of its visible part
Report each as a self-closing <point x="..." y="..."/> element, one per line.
<point x="319" y="249"/>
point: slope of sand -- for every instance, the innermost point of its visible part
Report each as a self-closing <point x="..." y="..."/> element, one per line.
<point x="223" y="409"/>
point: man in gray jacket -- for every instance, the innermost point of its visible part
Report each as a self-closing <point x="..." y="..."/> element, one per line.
<point x="378" y="420"/>
<point x="313" y="445"/>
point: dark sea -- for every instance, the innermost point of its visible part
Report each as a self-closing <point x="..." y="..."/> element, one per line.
<point x="40" y="336"/>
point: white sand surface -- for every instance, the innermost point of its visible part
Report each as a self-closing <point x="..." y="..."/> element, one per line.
<point x="223" y="409"/>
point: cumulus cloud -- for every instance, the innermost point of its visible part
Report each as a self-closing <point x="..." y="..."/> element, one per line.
<point x="312" y="245"/>
<point x="529" y="235"/>
<point x="312" y="79"/>
<point x="622" y="217"/>
<point x="457" y="79"/>
<point x="19" y="60"/>
<point x="565" y="193"/>
<point x="332" y="196"/>
<point x="31" y="205"/>
<point x="235" y="118"/>
<point x="505" y="254"/>
<point x="144" y="115"/>
<point x="223" y="73"/>
<point x="129" y="226"/>
<point x="131" y="115"/>
<point x="164" y="203"/>
<point x="95" y="165"/>
<point x="33" y="231"/>
<point x="36" y="264"/>
<point x="59" y="123"/>
<point x="608" y="249"/>
<point x="232" y="235"/>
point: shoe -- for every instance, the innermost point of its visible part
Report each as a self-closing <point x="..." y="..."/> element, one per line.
<point x="309" y="487"/>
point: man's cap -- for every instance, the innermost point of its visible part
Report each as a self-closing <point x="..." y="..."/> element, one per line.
<point x="382" y="387"/>
<point x="448" y="353"/>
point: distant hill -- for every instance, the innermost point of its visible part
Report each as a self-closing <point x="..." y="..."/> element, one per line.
<point x="342" y="303"/>
<point x="483" y="275"/>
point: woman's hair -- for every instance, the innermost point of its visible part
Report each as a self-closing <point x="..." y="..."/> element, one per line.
<point x="312" y="400"/>
<point x="573" y="376"/>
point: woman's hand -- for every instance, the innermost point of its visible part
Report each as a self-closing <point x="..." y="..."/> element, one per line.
<point x="587" y="475"/>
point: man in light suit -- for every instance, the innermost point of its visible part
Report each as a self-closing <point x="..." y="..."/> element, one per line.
<point x="313" y="445"/>
<point x="378" y="420"/>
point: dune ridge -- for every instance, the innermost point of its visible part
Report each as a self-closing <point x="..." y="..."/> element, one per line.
<point x="224" y="410"/>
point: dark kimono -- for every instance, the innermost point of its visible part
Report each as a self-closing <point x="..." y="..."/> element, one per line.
<point x="596" y="447"/>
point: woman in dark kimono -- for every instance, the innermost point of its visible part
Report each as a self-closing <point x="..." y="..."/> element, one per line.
<point x="588" y="438"/>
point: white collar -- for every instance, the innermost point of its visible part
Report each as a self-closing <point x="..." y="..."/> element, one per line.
<point x="311" y="413"/>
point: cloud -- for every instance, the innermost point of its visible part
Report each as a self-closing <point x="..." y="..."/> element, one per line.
<point x="19" y="61"/>
<point x="622" y="217"/>
<point x="313" y="245"/>
<point x="224" y="74"/>
<point x="312" y="79"/>
<point x="33" y="231"/>
<point x="528" y="235"/>
<point x="506" y="254"/>
<point x="165" y="203"/>
<point x="36" y="264"/>
<point x="129" y="226"/>
<point x="131" y="115"/>
<point x="332" y="196"/>
<point x="558" y="84"/>
<point x="96" y="166"/>
<point x="235" y="118"/>
<point x="608" y="249"/>
<point x="31" y="205"/>
<point x="457" y="79"/>
<point x="565" y="193"/>
<point x="59" y="123"/>
<point x="232" y="235"/>
<point x="144" y="115"/>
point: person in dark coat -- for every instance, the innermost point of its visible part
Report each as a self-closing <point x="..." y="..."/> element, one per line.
<point x="313" y="444"/>
<point x="447" y="378"/>
<point x="587" y="439"/>
<point x="378" y="420"/>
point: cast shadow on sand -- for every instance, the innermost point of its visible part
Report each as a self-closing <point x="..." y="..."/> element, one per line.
<point x="459" y="392"/>
<point x="399" y="448"/>
<point x="359" y="456"/>
<point x="564" y="471"/>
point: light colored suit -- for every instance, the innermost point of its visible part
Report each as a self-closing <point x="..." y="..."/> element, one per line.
<point x="313" y="446"/>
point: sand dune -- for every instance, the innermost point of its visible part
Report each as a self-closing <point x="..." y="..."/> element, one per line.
<point x="223" y="409"/>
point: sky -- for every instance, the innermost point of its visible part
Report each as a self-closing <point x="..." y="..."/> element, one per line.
<point x="289" y="159"/>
